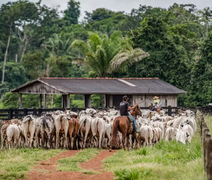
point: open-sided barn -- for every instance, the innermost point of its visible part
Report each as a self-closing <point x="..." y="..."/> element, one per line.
<point x="141" y="90"/>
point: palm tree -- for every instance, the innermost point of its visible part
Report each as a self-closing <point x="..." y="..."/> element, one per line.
<point x="206" y="17"/>
<point x="106" y="55"/>
<point x="59" y="45"/>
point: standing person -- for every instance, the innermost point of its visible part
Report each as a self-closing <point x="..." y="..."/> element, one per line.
<point x="124" y="107"/>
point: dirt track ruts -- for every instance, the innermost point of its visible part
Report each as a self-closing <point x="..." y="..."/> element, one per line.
<point x="47" y="169"/>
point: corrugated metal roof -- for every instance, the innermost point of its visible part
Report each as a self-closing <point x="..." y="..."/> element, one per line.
<point x="108" y="86"/>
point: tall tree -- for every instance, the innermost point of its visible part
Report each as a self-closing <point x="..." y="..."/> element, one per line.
<point x="167" y="60"/>
<point x="72" y="13"/>
<point x="15" y="15"/>
<point x="105" y="55"/>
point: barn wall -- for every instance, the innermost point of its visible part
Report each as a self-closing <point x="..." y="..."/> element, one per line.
<point x="146" y="100"/>
<point x="118" y="98"/>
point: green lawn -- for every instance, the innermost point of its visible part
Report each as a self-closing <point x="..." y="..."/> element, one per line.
<point x="15" y="163"/>
<point x="166" y="160"/>
<point x="208" y="120"/>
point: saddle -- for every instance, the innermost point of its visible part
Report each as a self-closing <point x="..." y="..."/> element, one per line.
<point x="131" y="124"/>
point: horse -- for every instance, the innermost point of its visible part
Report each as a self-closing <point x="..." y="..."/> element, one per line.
<point x="124" y="125"/>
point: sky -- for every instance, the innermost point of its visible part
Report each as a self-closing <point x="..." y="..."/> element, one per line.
<point x="120" y="5"/>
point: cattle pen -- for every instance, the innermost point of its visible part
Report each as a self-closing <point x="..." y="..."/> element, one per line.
<point x="7" y="114"/>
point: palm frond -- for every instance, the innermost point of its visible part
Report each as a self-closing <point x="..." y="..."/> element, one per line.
<point x="79" y="45"/>
<point x="94" y="41"/>
<point x="127" y="57"/>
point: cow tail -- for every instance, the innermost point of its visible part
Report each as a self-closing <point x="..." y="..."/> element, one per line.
<point x="115" y="132"/>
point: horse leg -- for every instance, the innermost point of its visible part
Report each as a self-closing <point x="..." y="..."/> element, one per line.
<point x="136" y="140"/>
<point x="128" y="143"/>
<point x="123" y="140"/>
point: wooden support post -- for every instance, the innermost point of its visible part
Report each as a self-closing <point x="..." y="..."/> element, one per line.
<point x="40" y="101"/>
<point x="52" y="101"/>
<point x="65" y="101"/>
<point x="44" y="101"/>
<point x="103" y="101"/>
<point x="20" y="101"/>
<point x="169" y="110"/>
<point x="110" y="101"/>
<point x="68" y="101"/>
<point x="87" y="101"/>
<point x="62" y="101"/>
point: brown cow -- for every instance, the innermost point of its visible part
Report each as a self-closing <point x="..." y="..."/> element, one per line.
<point x="3" y="133"/>
<point x="73" y="130"/>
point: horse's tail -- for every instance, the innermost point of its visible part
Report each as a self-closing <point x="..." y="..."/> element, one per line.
<point x="115" y="132"/>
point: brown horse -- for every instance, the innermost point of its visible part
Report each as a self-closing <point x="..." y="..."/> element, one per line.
<point x="124" y="125"/>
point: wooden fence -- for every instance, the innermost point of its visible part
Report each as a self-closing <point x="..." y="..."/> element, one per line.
<point x="7" y="114"/>
<point x="206" y="145"/>
<point x="206" y="109"/>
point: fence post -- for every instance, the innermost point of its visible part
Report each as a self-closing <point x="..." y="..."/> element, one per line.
<point x="209" y="157"/>
<point x="10" y="114"/>
<point x="39" y="111"/>
<point x="25" y="112"/>
<point x="34" y="112"/>
<point x="206" y="151"/>
<point x="205" y="132"/>
<point x="169" y="110"/>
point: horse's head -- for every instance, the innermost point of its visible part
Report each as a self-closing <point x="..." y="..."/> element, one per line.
<point x="137" y="111"/>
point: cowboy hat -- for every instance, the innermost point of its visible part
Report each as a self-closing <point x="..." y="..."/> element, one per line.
<point x="156" y="97"/>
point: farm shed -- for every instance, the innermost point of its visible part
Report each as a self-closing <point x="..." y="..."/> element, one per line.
<point x="141" y="90"/>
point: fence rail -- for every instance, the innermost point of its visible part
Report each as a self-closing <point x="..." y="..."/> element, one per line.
<point x="7" y="114"/>
<point x="206" y="145"/>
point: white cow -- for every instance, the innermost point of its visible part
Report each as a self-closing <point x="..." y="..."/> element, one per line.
<point x="28" y="127"/>
<point x="85" y="127"/>
<point x="13" y="135"/>
<point x="98" y="128"/>
<point x="170" y="134"/>
<point x="182" y="136"/>
<point x="146" y="134"/>
<point x="61" y="126"/>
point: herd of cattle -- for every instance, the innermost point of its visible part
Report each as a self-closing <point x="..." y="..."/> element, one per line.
<point x="92" y="128"/>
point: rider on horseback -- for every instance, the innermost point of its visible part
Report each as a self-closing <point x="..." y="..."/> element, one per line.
<point x="156" y="103"/>
<point x="124" y="107"/>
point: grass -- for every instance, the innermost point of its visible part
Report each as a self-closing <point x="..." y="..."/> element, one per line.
<point x="208" y="120"/>
<point x="166" y="160"/>
<point x="72" y="163"/>
<point x="15" y="163"/>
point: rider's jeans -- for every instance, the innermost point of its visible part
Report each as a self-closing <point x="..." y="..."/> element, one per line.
<point x="134" y="122"/>
<point x="153" y="109"/>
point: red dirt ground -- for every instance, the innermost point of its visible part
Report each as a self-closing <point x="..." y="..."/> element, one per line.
<point x="47" y="169"/>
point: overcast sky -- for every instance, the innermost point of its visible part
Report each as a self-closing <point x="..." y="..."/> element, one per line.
<point x="121" y="5"/>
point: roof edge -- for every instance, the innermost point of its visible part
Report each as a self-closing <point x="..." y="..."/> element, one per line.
<point x="37" y="80"/>
<point x="40" y="78"/>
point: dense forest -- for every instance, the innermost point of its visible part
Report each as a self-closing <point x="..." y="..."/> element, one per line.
<point x="173" y="44"/>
